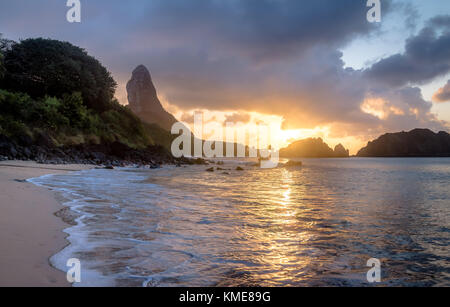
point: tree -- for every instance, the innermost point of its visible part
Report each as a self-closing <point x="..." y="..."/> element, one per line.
<point x="44" y="67"/>
<point x="2" y="67"/>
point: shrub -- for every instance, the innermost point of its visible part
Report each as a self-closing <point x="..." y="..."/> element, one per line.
<point x="73" y="109"/>
<point x="45" y="113"/>
<point x="13" y="128"/>
<point x="126" y="127"/>
<point x="2" y="67"/>
<point x="3" y="48"/>
<point x="17" y="105"/>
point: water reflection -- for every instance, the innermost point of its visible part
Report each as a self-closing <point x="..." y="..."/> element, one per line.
<point x="317" y="225"/>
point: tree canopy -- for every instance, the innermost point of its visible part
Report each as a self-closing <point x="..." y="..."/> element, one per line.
<point x="44" y="67"/>
<point x="2" y="67"/>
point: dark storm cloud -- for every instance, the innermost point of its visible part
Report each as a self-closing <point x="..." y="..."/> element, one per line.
<point x="259" y="28"/>
<point x="426" y="56"/>
<point x="256" y="28"/>
<point x="443" y="94"/>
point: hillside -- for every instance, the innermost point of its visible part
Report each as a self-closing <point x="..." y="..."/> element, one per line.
<point x="416" y="143"/>
<point x="58" y="105"/>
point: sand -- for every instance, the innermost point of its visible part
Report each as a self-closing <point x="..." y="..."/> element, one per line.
<point x="30" y="233"/>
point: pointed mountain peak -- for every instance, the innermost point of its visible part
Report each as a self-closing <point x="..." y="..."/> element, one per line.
<point x="143" y="99"/>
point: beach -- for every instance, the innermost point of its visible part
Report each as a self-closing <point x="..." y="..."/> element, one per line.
<point x="312" y="225"/>
<point x="30" y="233"/>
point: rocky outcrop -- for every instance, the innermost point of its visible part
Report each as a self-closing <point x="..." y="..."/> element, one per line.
<point x="291" y="163"/>
<point x="416" y="143"/>
<point x="143" y="100"/>
<point x="313" y="148"/>
<point x="341" y="152"/>
<point x="113" y="154"/>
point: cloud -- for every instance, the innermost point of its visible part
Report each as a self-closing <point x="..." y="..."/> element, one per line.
<point x="187" y="118"/>
<point x="273" y="57"/>
<point x="257" y="29"/>
<point x="426" y="56"/>
<point x="238" y="118"/>
<point x="442" y="94"/>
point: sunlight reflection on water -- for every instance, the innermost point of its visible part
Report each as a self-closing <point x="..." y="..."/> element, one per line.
<point x="315" y="225"/>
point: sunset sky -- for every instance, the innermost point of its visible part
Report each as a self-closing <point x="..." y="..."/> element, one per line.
<point x="312" y="68"/>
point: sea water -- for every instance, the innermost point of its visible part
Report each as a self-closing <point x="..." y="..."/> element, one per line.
<point x="315" y="225"/>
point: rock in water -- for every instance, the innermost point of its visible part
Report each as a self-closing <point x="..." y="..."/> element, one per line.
<point x="291" y="163"/>
<point x="308" y="148"/>
<point x="416" y="143"/>
<point x="341" y="152"/>
<point x="144" y="101"/>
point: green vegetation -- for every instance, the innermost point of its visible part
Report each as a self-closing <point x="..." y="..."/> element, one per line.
<point x="159" y="135"/>
<point x="68" y="122"/>
<point x="55" y="88"/>
<point x="2" y="66"/>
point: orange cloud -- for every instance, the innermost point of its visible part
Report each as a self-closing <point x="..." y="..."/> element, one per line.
<point x="442" y="94"/>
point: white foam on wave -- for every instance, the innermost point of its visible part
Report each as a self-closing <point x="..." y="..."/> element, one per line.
<point x="76" y="235"/>
<point x="125" y="197"/>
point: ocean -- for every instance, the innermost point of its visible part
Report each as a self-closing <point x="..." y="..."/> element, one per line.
<point x="315" y="225"/>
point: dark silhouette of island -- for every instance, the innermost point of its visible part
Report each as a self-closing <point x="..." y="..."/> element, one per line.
<point x="416" y="143"/>
<point x="313" y="148"/>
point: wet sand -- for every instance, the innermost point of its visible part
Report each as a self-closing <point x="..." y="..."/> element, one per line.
<point x="30" y="233"/>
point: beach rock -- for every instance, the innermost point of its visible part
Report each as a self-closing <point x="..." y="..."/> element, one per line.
<point x="24" y="140"/>
<point x="210" y="169"/>
<point x="144" y="101"/>
<point x="7" y="148"/>
<point x="239" y="168"/>
<point x="26" y="152"/>
<point x="291" y="163"/>
<point x="198" y="161"/>
<point x="116" y="154"/>
<point x="13" y="151"/>
<point x="99" y="156"/>
<point x="43" y="140"/>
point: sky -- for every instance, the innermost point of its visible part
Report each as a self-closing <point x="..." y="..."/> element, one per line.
<point x="308" y="68"/>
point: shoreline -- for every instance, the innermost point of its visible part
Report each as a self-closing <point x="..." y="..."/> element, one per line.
<point x="30" y="230"/>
